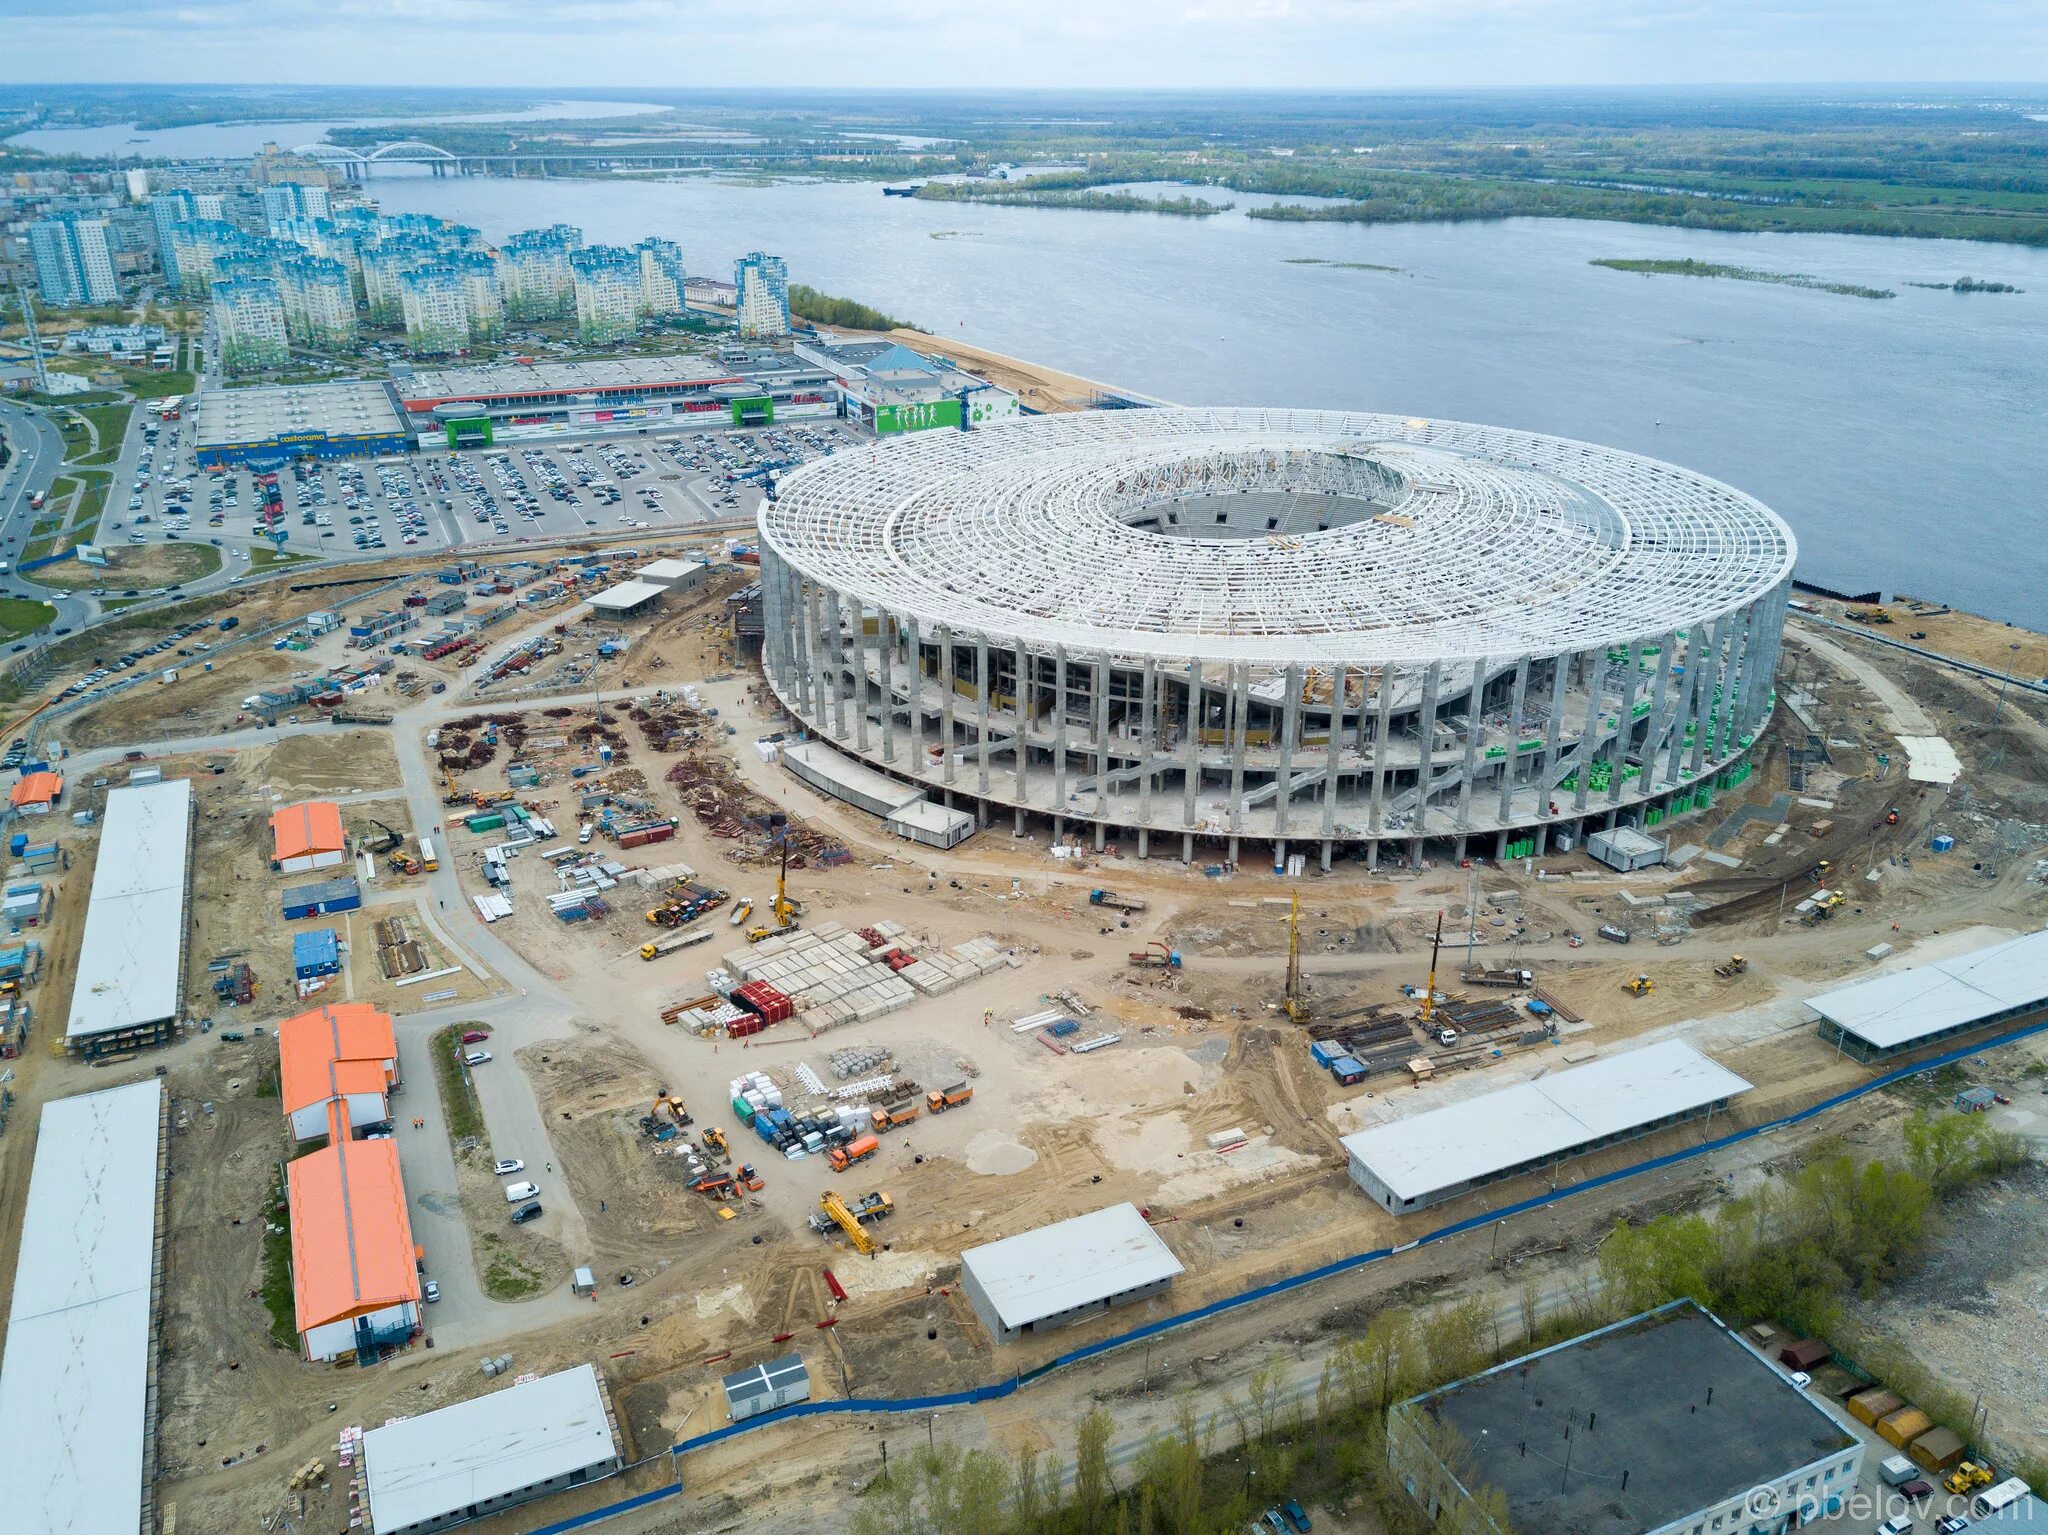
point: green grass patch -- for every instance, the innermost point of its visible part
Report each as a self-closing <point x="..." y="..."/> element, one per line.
<point x="148" y="384"/>
<point x="1691" y="268"/>
<point x="277" y="1270"/>
<point x="504" y="1275"/>
<point x="459" y="1105"/>
<point x="115" y="604"/>
<point x="107" y="639"/>
<point x="266" y="557"/>
<point x="110" y="421"/>
<point x="23" y="615"/>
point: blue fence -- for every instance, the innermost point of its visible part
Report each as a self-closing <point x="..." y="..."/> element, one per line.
<point x="1003" y="1388"/>
<point x="48" y="559"/>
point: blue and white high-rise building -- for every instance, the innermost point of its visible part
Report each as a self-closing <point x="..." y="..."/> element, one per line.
<point x="436" y="308"/>
<point x="248" y="316"/>
<point x="294" y="200"/>
<point x="319" y="300"/>
<point x="534" y="268"/>
<point x="607" y="283"/>
<point x="661" y="277"/>
<point x="762" y="282"/>
<point x="74" y="261"/>
<point x="175" y="207"/>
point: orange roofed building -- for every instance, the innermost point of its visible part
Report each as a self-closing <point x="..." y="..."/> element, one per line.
<point x="345" y="1053"/>
<point x="355" y="1272"/>
<point x="36" y="794"/>
<point x="307" y="836"/>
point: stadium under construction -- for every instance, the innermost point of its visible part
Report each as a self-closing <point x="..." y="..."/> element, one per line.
<point x="1311" y="629"/>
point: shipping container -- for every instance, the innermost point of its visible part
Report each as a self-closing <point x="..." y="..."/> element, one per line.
<point x="1347" y="1071"/>
<point x="1901" y="1428"/>
<point x="1866" y="1407"/>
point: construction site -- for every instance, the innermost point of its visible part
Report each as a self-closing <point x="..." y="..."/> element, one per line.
<point x="771" y="1064"/>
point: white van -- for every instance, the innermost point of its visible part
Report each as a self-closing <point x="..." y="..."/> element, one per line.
<point x="514" y="1192"/>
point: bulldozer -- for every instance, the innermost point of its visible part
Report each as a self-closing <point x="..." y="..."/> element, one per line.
<point x="1641" y="986"/>
<point x="1736" y="965"/>
<point x="1968" y="1476"/>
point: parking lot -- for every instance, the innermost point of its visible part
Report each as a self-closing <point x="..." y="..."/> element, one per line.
<point x="513" y="492"/>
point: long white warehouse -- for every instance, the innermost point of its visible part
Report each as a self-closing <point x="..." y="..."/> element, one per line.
<point x="1059" y="1274"/>
<point x="75" y="1434"/>
<point x="1423" y="1160"/>
<point x="1888" y="1014"/>
<point x="131" y="962"/>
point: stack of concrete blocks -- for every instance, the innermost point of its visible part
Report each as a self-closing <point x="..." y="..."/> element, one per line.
<point x="934" y="973"/>
<point x="703" y="1021"/>
<point x="828" y="972"/>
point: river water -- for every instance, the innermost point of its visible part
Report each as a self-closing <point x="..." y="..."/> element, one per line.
<point x="210" y="141"/>
<point x="1905" y="440"/>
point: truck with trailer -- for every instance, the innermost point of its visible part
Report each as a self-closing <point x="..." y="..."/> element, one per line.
<point x="1512" y="979"/>
<point x="1129" y="905"/>
<point x="660" y="946"/>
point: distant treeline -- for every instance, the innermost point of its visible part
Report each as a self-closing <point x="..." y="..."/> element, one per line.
<point x="847" y="314"/>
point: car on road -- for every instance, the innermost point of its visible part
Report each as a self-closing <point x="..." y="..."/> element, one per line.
<point x="1297" y="1516"/>
<point x="1900" y="1525"/>
<point x="476" y="1058"/>
<point x="1951" y="1524"/>
<point x="475" y="1036"/>
<point x="514" y="1192"/>
<point x="525" y="1213"/>
<point x="432" y="1291"/>
<point x="506" y="1166"/>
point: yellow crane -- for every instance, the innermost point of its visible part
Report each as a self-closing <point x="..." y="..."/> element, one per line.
<point x="1429" y="991"/>
<point x="844" y="1219"/>
<point x="786" y="910"/>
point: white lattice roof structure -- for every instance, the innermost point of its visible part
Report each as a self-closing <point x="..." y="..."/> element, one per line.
<point x="1397" y="540"/>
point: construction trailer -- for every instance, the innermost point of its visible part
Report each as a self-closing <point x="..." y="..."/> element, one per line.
<point x="765" y="1387"/>
<point x="319" y="900"/>
<point x="1625" y="849"/>
<point x="316" y="954"/>
<point x="131" y="959"/>
<point x="1888" y="1015"/>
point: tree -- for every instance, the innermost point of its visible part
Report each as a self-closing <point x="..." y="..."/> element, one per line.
<point x="1092" y="1485"/>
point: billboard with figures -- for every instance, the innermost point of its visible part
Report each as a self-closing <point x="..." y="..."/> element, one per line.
<point x="919" y="417"/>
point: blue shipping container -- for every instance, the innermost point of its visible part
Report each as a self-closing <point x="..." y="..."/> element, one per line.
<point x="1347" y="1071"/>
<point x="1324" y="1051"/>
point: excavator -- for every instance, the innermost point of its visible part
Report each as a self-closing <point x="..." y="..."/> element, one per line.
<point x="673" y="1107"/>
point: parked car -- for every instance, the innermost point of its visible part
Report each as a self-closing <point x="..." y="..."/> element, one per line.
<point x="476" y="1058"/>
<point x="506" y="1166"/>
<point x="432" y="1291"/>
<point x="525" y="1213"/>
<point x="1951" y="1524"/>
<point x="1297" y="1516"/>
<point x="1898" y="1526"/>
<point x="1917" y="1489"/>
<point x="1274" y="1522"/>
<point x="474" y="1036"/>
<point x="514" y="1192"/>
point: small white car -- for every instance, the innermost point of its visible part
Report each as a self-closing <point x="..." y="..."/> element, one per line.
<point x="515" y="1192"/>
<point x="476" y="1058"/>
<point x="506" y="1166"/>
<point x="431" y="1290"/>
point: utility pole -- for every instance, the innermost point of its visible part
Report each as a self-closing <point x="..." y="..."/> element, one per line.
<point x="2011" y="651"/>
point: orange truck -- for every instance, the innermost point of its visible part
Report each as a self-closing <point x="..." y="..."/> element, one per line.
<point x="890" y="1116"/>
<point x="853" y="1151"/>
<point x="946" y="1098"/>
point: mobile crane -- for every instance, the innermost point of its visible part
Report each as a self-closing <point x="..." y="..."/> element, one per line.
<point x="1297" y="1008"/>
<point x="844" y="1219"/>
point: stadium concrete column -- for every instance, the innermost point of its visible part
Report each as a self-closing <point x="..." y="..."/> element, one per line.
<point x="1099" y="681"/>
<point x="984" y="687"/>
<point x="1290" y="722"/>
<point x="836" y="636"/>
<point x="885" y="636"/>
<point x="1661" y="708"/>
<point x="1681" y="707"/>
<point x="1024" y="704"/>
<point x="949" y="686"/>
<point x="813" y="680"/>
<point x="1191" y="756"/>
<point x="1703" y="696"/>
<point x="1239" y="726"/>
<point x="1625" y="720"/>
<point x="1147" y="737"/>
<point x="1594" y="670"/>
<point x="1474" y="713"/>
<point x="1514" y="754"/>
<point x="914" y="656"/>
<point x="1332" y="755"/>
<point x="1059" y="735"/>
<point x="1425" y="732"/>
<point x="1384" y="709"/>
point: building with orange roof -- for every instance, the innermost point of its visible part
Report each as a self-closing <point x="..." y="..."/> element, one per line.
<point x="346" y="1053"/>
<point x="355" y="1271"/>
<point x="36" y="793"/>
<point x="307" y="836"/>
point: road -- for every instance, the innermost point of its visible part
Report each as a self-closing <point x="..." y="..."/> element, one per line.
<point x="37" y="458"/>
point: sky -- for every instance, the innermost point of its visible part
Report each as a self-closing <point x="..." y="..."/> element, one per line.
<point x="1364" y="44"/>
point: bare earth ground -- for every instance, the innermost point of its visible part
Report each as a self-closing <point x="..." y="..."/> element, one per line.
<point x="1047" y="1135"/>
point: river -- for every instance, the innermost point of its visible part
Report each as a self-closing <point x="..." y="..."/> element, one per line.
<point x="1904" y="439"/>
<point x="225" y="141"/>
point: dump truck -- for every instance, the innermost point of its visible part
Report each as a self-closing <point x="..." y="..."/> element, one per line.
<point x="673" y="942"/>
<point x="856" y="1150"/>
<point x="1155" y="956"/>
<point x="894" y="1116"/>
<point x="1129" y="905"/>
<point x="742" y="909"/>
<point x="945" y="1098"/>
<point x="1508" y="978"/>
<point x="1736" y="965"/>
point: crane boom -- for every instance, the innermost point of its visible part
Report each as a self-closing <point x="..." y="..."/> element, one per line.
<point x="1429" y="991"/>
<point x="842" y="1217"/>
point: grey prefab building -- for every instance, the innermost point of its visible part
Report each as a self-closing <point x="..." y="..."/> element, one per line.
<point x="1889" y="1015"/>
<point x="765" y="1387"/>
<point x="445" y="1468"/>
<point x="1664" y="1424"/>
<point x="1625" y="848"/>
<point x="1059" y="1274"/>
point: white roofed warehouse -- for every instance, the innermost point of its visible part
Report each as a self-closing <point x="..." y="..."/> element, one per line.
<point x="1889" y="1015"/>
<point x="1311" y="628"/>
<point x="131" y="960"/>
<point x="1060" y="1274"/>
<point x="1424" y="1159"/>
<point x="506" y="1447"/>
